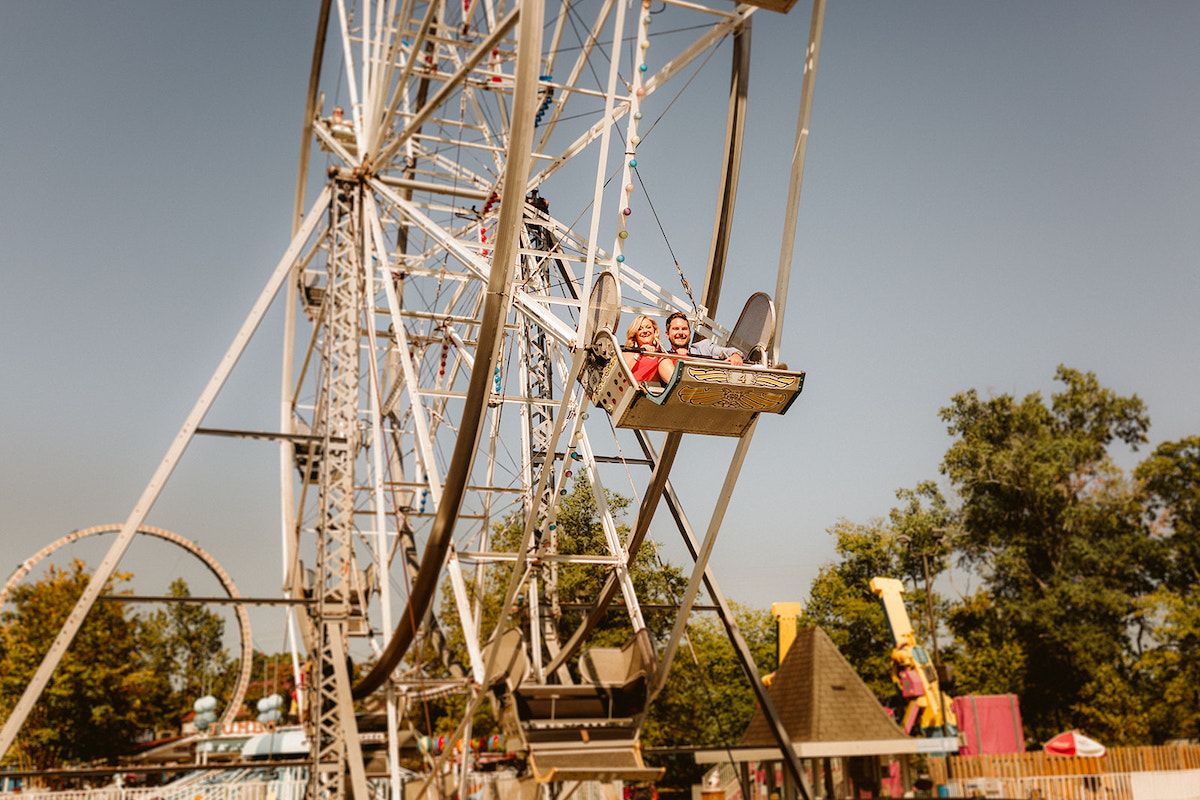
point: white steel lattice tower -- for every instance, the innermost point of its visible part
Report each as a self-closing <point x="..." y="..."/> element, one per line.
<point x="338" y="605"/>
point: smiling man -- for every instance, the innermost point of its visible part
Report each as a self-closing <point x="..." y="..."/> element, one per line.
<point x="679" y="339"/>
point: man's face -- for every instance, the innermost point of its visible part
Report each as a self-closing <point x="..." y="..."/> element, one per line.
<point x="678" y="332"/>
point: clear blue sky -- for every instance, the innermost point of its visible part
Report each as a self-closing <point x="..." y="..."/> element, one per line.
<point x="991" y="190"/>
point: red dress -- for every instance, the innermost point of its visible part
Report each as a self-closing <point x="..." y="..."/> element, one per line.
<point x="645" y="368"/>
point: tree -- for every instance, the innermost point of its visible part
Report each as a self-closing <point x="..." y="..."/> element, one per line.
<point x="707" y="699"/>
<point x="1170" y="479"/>
<point x="1155" y="697"/>
<point x="841" y="601"/>
<point x="1054" y="532"/>
<point x="1087" y="581"/>
<point x="578" y="531"/>
<point x="183" y="644"/>
<point x="1164" y="681"/>
<point x="987" y="660"/>
<point x="96" y="701"/>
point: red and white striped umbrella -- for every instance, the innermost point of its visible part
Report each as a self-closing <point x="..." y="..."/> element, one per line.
<point x="1074" y="743"/>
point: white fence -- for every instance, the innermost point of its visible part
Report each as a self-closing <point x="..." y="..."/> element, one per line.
<point x="1173" y="785"/>
<point x="480" y="786"/>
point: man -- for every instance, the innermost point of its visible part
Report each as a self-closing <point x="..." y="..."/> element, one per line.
<point x="679" y="337"/>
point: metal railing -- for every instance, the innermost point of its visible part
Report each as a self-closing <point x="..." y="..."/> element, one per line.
<point x="202" y="786"/>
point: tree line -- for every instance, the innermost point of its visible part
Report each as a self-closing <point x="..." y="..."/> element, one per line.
<point x="1056" y="578"/>
<point x="126" y="678"/>
<point x="1075" y="585"/>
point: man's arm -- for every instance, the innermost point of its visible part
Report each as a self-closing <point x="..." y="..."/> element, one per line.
<point x="707" y="348"/>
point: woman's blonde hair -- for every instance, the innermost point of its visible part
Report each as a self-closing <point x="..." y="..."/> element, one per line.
<point x="631" y="334"/>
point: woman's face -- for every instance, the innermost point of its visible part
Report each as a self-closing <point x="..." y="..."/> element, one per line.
<point x="646" y="334"/>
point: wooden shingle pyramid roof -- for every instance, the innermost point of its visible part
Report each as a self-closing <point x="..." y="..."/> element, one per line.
<point x="820" y="698"/>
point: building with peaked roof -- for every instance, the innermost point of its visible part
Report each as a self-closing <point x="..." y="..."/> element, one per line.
<point x="835" y="723"/>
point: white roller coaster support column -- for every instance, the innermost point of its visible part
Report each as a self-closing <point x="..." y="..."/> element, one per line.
<point x="104" y="571"/>
<point x="798" y="152"/>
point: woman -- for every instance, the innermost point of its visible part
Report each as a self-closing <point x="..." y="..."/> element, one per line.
<point x="641" y="342"/>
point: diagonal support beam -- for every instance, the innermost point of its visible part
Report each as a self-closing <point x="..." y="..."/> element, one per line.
<point x="478" y="54"/>
<point x="740" y="647"/>
<point x="701" y="557"/>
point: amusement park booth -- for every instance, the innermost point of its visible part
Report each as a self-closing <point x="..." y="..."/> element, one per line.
<point x="850" y="746"/>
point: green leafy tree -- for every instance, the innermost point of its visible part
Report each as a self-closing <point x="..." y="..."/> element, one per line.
<point x="1170" y="478"/>
<point x="1087" y="582"/>
<point x="96" y="701"/>
<point x="1154" y="696"/>
<point x="1054" y="532"/>
<point x="841" y="601"/>
<point x="986" y="659"/>
<point x="1164" y="682"/>
<point x="184" y="644"/>
<point x="707" y="699"/>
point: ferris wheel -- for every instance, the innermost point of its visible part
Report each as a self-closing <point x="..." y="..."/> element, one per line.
<point x="461" y="264"/>
<point x="460" y="332"/>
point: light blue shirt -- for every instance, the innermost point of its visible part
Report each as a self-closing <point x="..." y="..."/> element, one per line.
<point x="707" y="348"/>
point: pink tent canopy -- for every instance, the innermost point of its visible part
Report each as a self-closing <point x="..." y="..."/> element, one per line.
<point x="1074" y="743"/>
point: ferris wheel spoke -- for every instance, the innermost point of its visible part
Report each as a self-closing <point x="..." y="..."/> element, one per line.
<point x="400" y="92"/>
<point x="351" y="73"/>
<point x="410" y="378"/>
<point x="581" y="62"/>
<point x="560" y="21"/>
<point x="448" y="88"/>
<point x="478" y="267"/>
